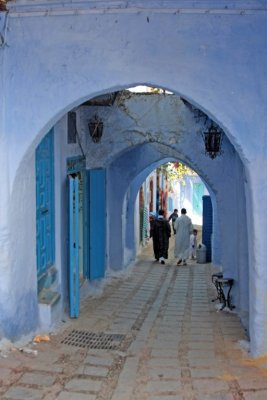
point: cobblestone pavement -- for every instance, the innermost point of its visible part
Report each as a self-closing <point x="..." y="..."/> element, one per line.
<point x="162" y="339"/>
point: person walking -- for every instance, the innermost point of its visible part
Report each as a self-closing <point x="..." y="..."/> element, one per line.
<point x="184" y="227"/>
<point x="193" y="245"/>
<point x="161" y="234"/>
<point x="173" y="217"/>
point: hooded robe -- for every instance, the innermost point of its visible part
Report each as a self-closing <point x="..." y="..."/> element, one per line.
<point x="161" y="234"/>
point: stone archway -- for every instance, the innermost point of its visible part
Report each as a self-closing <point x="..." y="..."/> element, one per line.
<point x="122" y="248"/>
<point x="225" y="178"/>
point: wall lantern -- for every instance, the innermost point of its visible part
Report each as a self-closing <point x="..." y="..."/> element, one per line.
<point x="95" y="126"/>
<point x="213" y="141"/>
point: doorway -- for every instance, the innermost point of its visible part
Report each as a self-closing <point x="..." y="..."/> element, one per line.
<point x="45" y="210"/>
<point x="77" y="194"/>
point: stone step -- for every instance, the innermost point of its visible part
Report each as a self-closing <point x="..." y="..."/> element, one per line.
<point x="48" y="296"/>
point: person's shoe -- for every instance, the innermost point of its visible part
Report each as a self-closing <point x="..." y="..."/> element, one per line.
<point x="184" y="263"/>
<point x="179" y="262"/>
<point x="162" y="262"/>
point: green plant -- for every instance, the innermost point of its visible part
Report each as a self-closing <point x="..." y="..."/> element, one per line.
<point x="176" y="171"/>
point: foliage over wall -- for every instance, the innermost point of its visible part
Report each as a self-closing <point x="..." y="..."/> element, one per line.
<point x="176" y="171"/>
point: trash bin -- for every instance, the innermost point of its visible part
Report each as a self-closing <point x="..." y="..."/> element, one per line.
<point x="201" y="253"/>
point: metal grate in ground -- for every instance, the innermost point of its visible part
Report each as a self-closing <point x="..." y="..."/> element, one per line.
<point x="91" y="340"/>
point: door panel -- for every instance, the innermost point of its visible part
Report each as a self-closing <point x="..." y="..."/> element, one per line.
<point x="76" y="165"/>
<point x="207" y="225"/>
<point x="97" y="222"/>
<point x="81" y="228"/>
<point x="45" y="236"/>
<point x="74" y="276"/>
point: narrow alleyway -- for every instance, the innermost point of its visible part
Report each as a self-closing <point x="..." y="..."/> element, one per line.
<point x="162" y="339"/>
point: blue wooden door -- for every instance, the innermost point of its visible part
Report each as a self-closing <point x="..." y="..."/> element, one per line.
<point x="76" y="165"/>
<point x="97" y="222"/>
<point x="74" y="274"/>
<point x="45" y="225"/>
<point x="207" y="225"/>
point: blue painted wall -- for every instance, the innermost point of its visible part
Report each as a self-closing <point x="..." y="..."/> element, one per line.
<point x="213" y="53"/>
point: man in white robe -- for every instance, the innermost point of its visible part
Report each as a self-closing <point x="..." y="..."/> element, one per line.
<point x="184" y="227"/>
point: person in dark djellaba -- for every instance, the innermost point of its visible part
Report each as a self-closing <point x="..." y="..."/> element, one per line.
<point x="161" y="235"/>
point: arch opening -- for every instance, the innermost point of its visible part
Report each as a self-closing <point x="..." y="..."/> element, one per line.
<point x="140" y="132"/>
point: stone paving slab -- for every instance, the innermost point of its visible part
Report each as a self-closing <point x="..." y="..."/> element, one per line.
<point x="168" y="345"/>
<point x="9" y="362"/>
<point x="164" y="353"/>
<point x="200" y="353"/>
<point x="218" y="396"/>
<point x="203" y="363"/>
<point x="163" y="362"/>
<point x="164" y="373"/>
<point x="33" y="378"/>
<point x="21" y="393"/>
<point x="210" y="385"/>
<point x="5" y="374"/>
<point x="259" y="395"/>
<point x="104" y="360"/>
<point x="93" y="371"/>
<point x="75" y="396"/>
<point x="200" y="345"/>
<point x="254" y="383"/>
<point x="83" y="385"/>
<point x="206" y="372"/>
<point x="160" y="397"/>
<point x="163" y="386"/>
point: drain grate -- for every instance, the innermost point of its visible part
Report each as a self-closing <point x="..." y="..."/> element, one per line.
<point x="92" y="340"/>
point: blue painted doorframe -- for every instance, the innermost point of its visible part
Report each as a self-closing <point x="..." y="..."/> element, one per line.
<point x="45" y="207"/>
<point x="97" y="222"/>
<point x="94" y="232"/>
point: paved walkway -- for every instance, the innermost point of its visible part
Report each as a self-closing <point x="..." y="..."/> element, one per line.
<point x="166" y="339"/>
